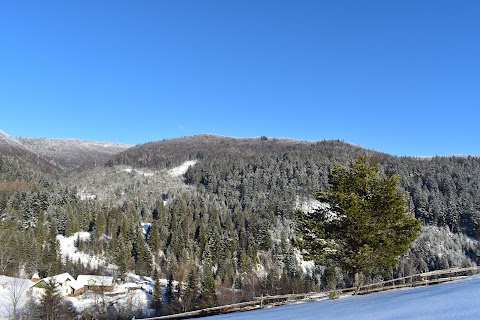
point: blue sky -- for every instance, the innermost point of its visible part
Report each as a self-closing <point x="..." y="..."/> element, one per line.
<point x="401" y="77"/>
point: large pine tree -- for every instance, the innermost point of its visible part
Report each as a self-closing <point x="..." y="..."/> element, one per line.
<point x="364" y="223"/>
<point x="50" y="302"/>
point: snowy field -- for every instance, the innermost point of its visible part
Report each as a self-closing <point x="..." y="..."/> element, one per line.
<point x="181" y="169"/>
<point x="10" y="288"/>
<point x="453" y="300"/>
<point x="68" y="249"/>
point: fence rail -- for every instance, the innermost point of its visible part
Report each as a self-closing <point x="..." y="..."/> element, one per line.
<point x="421" y="279"/>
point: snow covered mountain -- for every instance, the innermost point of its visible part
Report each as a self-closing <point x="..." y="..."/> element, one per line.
<point x="59" y="155"/>
<point x="73" y="154"/>
<point x="13" y="148"/>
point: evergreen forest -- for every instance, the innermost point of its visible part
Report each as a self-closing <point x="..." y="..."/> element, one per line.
<point x="224" y="228"/>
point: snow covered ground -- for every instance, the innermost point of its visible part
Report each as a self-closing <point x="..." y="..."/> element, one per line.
<point x="142" y="172"/>
<point x="10" y="288"/>
<point x="67" y="248"/>
<point x="181" y="169"/>
<point x="453" y="300"/>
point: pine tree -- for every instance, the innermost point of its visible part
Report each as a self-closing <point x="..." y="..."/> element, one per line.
<point x="156" y="302"/>
<point x="190" y="294"/>
<point x="100" y="225"/>
<point x="364" y="224"/>
<point x="51" y="262"/>
<point x="208" y="294"/>
<point x="121" y="254"/>
<point x="40" y="231"/>
<point x="169" y="291"/>
<point x="72" y="224"/>
<point x="153" y="237"/>
<point x="142" y="256"/>
<point x="50" y="302"/>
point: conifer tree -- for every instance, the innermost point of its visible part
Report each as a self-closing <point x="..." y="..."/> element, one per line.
<point x="169" y="291"/>
<point x="190" y="294"/>
<point x="364" y="224"/>
<point x="100" y="224"/>
<point x="208" y="294"/>
<point x="51" y="262"/>
<point x="156" y="302"/>
<point x="50" y="301"/>
<point x="121" y="254"/>
<point x="40" y="231"/>
<point x="153" y="237"/>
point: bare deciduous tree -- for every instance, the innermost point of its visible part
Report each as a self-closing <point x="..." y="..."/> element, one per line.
<point x="15" y="295"/>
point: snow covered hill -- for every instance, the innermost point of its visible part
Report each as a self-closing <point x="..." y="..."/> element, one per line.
<point x="453" y="300"/>
<point x="73" y="154"/>
<point x="66" y="155"/>
<point x="12" y="148"/>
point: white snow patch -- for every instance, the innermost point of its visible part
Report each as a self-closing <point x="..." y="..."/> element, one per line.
<point x="307" y="266"/>
<point x="143" y="172"/>
<point x="309" y="204"/>
<point x="87" y="196"/>
<point x="68" y="249"/>
<point x="261" y="272"/>
<point x="181" y="169"/>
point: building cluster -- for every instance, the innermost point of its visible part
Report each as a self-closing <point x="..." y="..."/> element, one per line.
<point x="69" y="286"/>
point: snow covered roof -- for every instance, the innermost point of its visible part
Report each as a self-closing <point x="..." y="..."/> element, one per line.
<point x="62" y="279"/>
<point x="92" y="280"/>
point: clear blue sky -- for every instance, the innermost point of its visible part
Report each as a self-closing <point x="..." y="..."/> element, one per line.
<point x="401" y="77"/>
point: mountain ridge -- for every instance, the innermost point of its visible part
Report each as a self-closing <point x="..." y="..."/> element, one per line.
<point x="54" y="155"/>
<point x="33" y="144"/>
<point x="73" y="154"/>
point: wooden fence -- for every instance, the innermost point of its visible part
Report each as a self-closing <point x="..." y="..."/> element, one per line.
<point x="425" y="278"/>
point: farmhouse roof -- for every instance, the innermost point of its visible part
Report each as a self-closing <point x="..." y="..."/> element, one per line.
<point x="88" y="280"/>
<point x="62" y="278"/>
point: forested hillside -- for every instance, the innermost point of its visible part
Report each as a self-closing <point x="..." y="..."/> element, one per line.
<point x="227" y="222"/>
<point x="443" y="190"/>
<point x="276" y="175"/>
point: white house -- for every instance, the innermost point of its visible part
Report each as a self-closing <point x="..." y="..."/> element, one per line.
<point x="67" y="285"/>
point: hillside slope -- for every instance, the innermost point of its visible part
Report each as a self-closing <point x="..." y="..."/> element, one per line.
<point x="16" y="151"/>
<point x="258" y="176"/>
<point x="265" y="172"/>
<point x="172" y="152"/>
<point x="453" y="300"/>
<point x="72" y="154"/>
